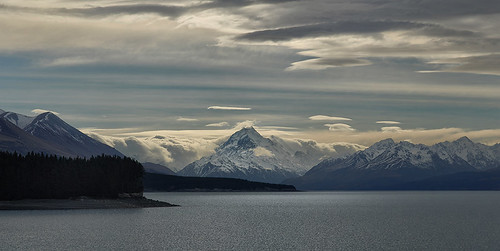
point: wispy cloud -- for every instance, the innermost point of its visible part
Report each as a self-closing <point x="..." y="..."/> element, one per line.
<point x="220" y="124"/>
<point x="229" y="108"/>
<point x="325" y="29"/>
<point x="391" y="129"/>
<point x="325" y="63"/>
<point x="328" y="118"/>
<point x="340" y="127"/>
<point x="186" y="119"/>
<point x="388" y="122"/>
<point x="67" y="61"/>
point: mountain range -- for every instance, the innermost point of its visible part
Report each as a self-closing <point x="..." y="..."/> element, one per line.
<point x="249" y="155"/>
<point x="386" y="165"/>
<point x="391" y="165"/>
<point x="49" y="134"/>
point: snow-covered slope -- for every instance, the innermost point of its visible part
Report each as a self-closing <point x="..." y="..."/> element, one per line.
<point x="387" y="162"/>
<point x="248" y="155"/>
<point x="17" y="119"/>
<point x="54" y="130"/>
<point x="479" y="156"/>
<point x="14" y="139"/>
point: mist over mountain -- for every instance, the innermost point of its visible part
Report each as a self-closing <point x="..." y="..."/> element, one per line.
<point x="389" y="165"/>
<point x="177" y="152"/>
<point x="248" y="155"/>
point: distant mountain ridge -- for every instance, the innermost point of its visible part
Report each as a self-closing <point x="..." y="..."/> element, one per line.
<point x="248" y="155"/>
<point x="49" y="134"/>
<point x="386" y="165"/>
<point x="157" y="169"/>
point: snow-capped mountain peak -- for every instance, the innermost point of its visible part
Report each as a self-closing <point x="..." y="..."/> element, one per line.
<point x="246" y="138"/>
<point x="249" y="155"/>
<point x="19" y="120"/>
<point x="475" y="154"/>
<point x="461" y="154"/>
<point x="52" y="124"/>
<point x="386" y="165"/>
<point x="378" y="148"/>
<point x="464" y="140"/>
<point x="51" y="128"/>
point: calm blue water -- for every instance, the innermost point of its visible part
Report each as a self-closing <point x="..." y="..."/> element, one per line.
<point x="269" y="221"/>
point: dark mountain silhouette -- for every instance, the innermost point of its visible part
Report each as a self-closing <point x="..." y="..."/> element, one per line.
<point x="157" y="168"/>
<point x="169" y="183"/>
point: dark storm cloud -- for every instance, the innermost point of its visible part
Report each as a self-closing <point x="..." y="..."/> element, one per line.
<point x="316" y="30"/>
<point x="443" y="8"/>
<point x="322" y="11"/>
<point x="348" y="27"/>
<point x="162" y="10"/>
<point x="159" y="9"/>
<point x="240" y="3"/>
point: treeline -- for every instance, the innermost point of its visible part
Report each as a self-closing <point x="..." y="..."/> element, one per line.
<point x="40" y="176"/>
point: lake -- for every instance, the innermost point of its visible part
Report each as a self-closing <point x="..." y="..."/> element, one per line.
<point x="455" y="220"/>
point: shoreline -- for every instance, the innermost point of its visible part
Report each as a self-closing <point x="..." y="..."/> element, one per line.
<point x="82" y="203"/>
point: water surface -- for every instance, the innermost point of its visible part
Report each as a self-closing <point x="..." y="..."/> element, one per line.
<point x="269" y="221"/>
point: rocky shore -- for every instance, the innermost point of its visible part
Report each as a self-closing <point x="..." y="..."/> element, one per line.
<point x="82" y="203"/>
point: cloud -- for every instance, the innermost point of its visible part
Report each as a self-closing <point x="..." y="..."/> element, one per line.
<point x="176" y="152"/>
<point x="340" y="127"/>
<point x="67" y="61"/>
<point x="391" y="129"/>
<point x="173" y="152"/>
<point x="388" y="122"/>
<point x="485" y="64"/>
<point x="185" y="147"/>
<point x="40" y="111"/>
<point x="133" y="9"/>
<point x="139" y="149"/>
<point x="324" y="29"/>
<point x="325" y="63"/>
<point x="187" y="119"/>
<point x="229" y="108"/>
<point x="417" y="135"/>
<point x="220" y="124"/>
<point x="244" y="124"/>
<point x="328" y="118"/>
<point x="262" y="152"/>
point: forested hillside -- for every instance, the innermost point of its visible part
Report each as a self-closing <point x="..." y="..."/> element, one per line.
<point x="39" y="176"/>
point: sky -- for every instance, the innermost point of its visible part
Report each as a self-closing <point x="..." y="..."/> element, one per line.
<point x="354" y="71"/>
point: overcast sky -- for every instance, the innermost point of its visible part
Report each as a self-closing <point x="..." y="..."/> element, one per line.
<point x="333" y="71"/>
